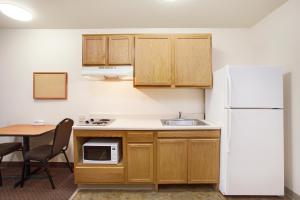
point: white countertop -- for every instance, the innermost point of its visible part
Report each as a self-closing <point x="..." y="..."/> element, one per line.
<point x="144" y="124"/>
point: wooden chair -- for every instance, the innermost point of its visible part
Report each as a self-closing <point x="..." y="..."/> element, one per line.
<point x="7" y="148"/>
<point x="44" y="153"/>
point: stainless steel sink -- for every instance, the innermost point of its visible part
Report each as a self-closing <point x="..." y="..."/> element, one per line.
<point x="182" y="122"/>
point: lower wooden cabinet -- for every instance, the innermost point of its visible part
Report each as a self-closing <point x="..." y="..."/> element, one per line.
<point x="188" y="161"/>
<point x="150" y="157"/>
<point x="99" y="174"/>
<point x="172" y="161"/>
<point x="140" y="163"/>
<point x="140" y="136"/>
<point x="203" y="161"/>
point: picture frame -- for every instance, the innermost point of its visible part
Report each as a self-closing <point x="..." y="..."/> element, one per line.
<point x="50" y="85"/>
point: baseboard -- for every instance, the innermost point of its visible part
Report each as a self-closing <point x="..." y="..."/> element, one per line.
<point x="118" y="187"/>
<point x="34" y="164"/>
<point x="291" y="195"/>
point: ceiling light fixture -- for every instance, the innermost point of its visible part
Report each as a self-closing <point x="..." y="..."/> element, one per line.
<point x="15" y="12"/>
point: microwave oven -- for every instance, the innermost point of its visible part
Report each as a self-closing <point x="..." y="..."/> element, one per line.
<point x="102" y="151"/>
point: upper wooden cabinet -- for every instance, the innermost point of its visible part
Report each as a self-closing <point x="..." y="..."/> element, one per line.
<point x="173" y="60"/>
<point x="120" y="50"/>
<point x="94" y="50"/>
<point x="192" y="60"/>
<point x="153" y="60"/>
<point x="179" y="60"/>
<point x="107" y="50"/>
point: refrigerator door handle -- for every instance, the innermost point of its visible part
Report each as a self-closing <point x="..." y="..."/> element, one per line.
<point x="228" y="130"/>
<point x="228" y="89"/>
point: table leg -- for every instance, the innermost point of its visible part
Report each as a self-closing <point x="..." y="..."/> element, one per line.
<point x="26" y="148"/>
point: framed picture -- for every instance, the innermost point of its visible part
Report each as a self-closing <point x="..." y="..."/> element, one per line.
<point x="50" y="85"/>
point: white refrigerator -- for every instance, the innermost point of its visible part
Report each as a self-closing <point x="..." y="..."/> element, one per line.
<point x="247" y="101"/>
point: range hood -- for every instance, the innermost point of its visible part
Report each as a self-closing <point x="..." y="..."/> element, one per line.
<point x="108" y="72"/>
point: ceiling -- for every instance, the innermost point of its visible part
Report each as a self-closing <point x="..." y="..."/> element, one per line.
<point x="142" y="13"/>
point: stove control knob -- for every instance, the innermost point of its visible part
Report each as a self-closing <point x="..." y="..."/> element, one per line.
<point x="87" y="122"/>
<point x="92" y="120"/>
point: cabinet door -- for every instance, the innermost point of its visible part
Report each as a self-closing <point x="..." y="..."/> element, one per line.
<point x="94" y="50"/>
<point x="120" y="50"/>
<point x="203" y="160"/>
<point x="193" y="61"/>
<point x="172" y="161"/>
<point x="140" y="163"/>
<point x="153" y="60"/>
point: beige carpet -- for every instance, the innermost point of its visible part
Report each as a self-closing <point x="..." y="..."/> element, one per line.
<point x="165" y="193"/>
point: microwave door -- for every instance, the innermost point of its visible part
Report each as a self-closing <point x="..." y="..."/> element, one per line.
<point x="97" y="153"/>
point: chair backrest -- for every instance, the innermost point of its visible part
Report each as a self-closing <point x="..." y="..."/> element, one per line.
<point x="62" y="135"/>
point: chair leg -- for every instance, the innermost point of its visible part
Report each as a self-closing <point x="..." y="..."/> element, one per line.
<point x="68" y="163"/>
<point x="1" y="184"/>
<point x="23" y="175"/>
<point x="36" y="170"/>
<point x="0" y="174"/>
<point x="49" y="176"/>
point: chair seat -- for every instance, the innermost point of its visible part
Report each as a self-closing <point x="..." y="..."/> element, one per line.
<point x="6" y="148"/>
<point x="39" y="153"/>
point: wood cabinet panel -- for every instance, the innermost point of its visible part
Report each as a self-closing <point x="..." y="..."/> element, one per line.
<point x="203" y="160"/>
<point x="168" y="157"/>
<point x="189" y="134"/>
<point x="140" y="136"/>
<point x="172" y="161"/>
<point x="153" y="60"/>
<point x="193" y="61"/>
<point x="140" y="163"/>
<point x="94" y="50"/>
<point x="95" y="174"/>
<point x="159" y="60"/>
<point x="120" y="49"/>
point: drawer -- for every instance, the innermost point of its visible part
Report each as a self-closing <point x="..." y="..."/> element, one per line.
<point x="137" y="136"/>
<point x="99" y="175"/>
<point x="189" y="134"/>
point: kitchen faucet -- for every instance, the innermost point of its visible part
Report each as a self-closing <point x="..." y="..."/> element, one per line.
<point x="179" y="115"/>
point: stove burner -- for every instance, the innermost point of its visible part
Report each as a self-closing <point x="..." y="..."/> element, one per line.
<point x="105" y="120"/>
<point x="98" y="122"/>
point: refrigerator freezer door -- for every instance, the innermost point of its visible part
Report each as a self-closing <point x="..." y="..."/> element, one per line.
<point x="254" y="87"/>
<point x="254" y="158"/>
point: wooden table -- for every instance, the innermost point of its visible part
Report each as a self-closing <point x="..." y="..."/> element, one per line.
<point x="26" y="131"/>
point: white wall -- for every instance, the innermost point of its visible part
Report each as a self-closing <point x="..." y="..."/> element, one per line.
<point x="23" y="52"/>
<point x="276" y="40"/>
